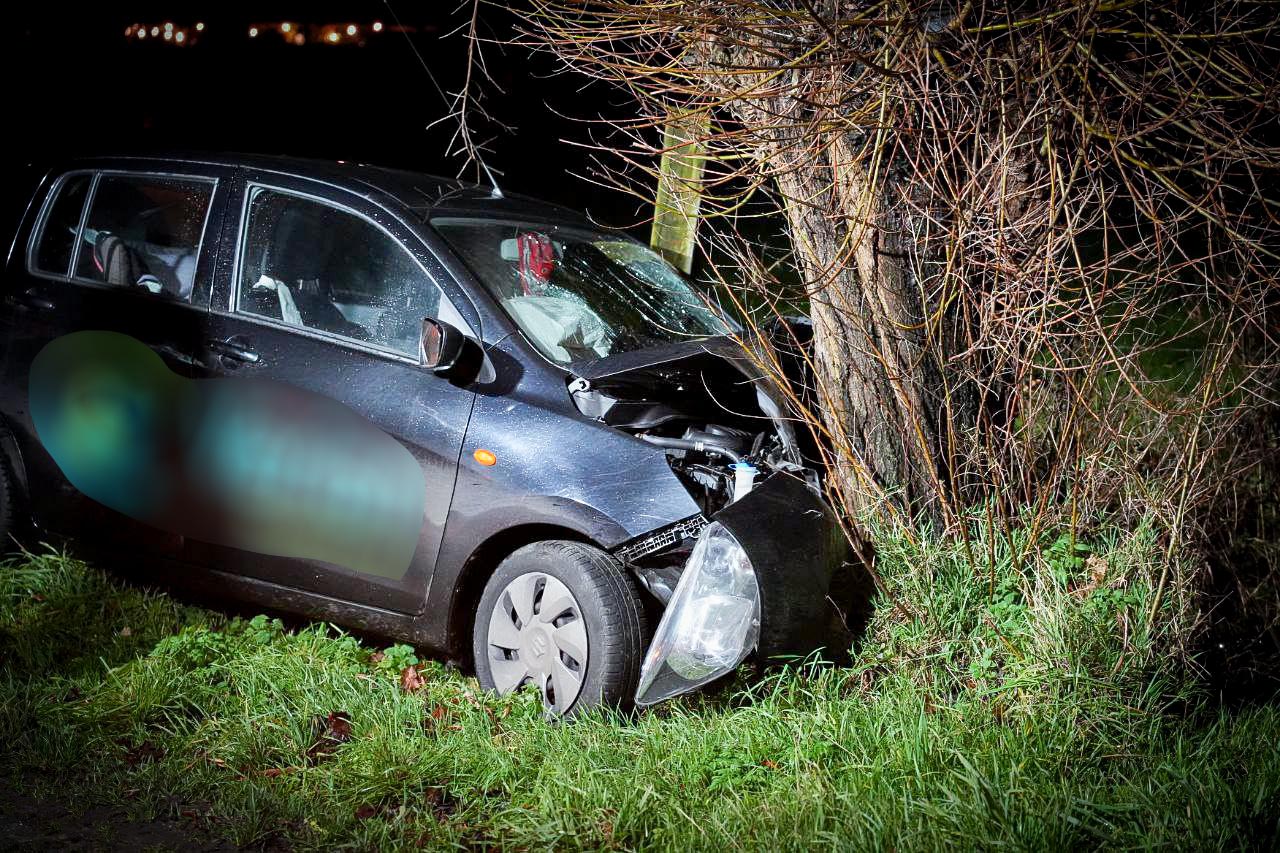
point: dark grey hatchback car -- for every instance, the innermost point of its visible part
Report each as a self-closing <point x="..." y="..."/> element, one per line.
<point x="410" y="405"/>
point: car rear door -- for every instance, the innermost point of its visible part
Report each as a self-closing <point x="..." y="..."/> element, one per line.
<point x="315" y="321"/>
<point x="111" y="250"/>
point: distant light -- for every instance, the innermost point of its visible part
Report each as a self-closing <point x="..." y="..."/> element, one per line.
<point x="168" y="27"/>
<point x="142" y="33"/>
<point x="377" y="26"/>
<point x="128" y="31"/>
<point x="199" y="26"/>
<point x="155" y="31"/>
<point x="286" y="27"/>
<point x="351" y="29"/>
<point x="180" y="37"/>
<point x="168" y="34"/>
<point x="253" y="32"/>
<point x="299" y="38"/>
<point x="333" y="37"/>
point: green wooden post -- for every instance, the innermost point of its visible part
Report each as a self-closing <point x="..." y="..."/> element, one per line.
<point x="675" y="215"/>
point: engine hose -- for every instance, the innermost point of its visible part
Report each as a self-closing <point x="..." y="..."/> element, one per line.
<point x="689" y="444"/>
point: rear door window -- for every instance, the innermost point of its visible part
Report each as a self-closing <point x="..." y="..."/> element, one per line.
<point x="145" y="231"/>
<point x="58" y="237"/>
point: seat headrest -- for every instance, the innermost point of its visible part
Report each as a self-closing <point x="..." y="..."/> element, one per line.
<point x="299" y="244"/>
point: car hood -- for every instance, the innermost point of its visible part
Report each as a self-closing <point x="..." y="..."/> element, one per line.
<point x="638" y="366"/>
<point x="621" y="363"/>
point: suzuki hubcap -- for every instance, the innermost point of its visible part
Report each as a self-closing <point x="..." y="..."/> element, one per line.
<point x="537" y="635"/>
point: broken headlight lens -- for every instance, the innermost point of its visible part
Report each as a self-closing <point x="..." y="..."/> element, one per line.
<point x="711" y="623"/>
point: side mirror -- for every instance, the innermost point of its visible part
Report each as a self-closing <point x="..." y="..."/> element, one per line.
<point x="441" y="346"/>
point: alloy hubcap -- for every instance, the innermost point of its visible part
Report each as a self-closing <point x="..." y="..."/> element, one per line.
<point x="537" y="635"/>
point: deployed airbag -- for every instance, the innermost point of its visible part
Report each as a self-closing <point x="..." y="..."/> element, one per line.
<point x="566" y="328"/>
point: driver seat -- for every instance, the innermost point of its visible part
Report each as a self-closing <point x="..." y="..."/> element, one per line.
<point x="299" y="253"/>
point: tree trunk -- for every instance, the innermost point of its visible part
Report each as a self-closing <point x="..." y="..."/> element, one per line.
<point x="878" y="384"/>
<point x="904" y="396"/>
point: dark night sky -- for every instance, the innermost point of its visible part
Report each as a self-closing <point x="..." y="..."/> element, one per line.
<point x="76" y="84"/>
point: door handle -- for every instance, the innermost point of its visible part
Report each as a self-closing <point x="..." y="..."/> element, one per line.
<point x="233" y="348"/>
<point x="166" y="351"/>
<point x="32" y="299"/>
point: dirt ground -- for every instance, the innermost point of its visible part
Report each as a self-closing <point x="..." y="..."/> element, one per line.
<point x="28" y="824"/>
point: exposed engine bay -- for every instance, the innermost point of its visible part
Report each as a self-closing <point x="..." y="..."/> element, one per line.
<point x="721" y="429"/>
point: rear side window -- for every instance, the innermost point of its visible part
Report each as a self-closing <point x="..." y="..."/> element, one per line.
<point x="144" y="231"/>
<point x="58" y="237"/>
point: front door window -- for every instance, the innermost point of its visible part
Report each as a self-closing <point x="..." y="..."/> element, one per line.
<point x="313" y="266"/>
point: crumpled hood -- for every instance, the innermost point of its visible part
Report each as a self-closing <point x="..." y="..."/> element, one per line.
<point x="628" y="362"/>
<point x="636" y="366"/>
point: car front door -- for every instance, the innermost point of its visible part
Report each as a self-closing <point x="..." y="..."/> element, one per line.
<point x="341" y="444"/>
<point x="116" y="252"/>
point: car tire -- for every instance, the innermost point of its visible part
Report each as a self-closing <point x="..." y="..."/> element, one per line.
<point x="518" y="639"/>
<point x="8" y="512"/>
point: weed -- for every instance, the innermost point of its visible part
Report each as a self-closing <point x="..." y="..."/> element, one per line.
<point x="1019" y="702"/>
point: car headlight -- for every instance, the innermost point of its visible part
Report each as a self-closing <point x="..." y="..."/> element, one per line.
<point x="711" y="623"/>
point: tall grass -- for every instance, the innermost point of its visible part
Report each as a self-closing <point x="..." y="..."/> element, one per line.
<point x="1017" y="698"/>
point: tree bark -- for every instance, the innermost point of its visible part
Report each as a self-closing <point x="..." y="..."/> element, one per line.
<point x="877" y="380"/>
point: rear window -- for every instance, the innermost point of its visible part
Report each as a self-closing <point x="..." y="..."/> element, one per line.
<point x="58" y="236"/>
<point x="144" y="231"/>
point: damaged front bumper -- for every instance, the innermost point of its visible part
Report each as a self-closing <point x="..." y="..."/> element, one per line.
<point x="761" y="577"/>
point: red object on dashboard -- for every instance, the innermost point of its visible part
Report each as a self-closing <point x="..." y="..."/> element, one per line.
<point x="537" y="260"/>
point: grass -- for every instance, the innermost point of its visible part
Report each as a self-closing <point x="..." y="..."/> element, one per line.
<point x="990" y="706"/>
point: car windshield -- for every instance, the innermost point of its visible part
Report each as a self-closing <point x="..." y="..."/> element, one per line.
<point x="580" y="295"/>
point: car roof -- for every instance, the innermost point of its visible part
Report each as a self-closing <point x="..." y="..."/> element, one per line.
<point x="424" y="194"/>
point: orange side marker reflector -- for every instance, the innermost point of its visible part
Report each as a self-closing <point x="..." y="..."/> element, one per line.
<point x="485" y="457"/>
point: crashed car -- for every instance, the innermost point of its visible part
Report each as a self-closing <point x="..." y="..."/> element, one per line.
<point x="413" y="406"/>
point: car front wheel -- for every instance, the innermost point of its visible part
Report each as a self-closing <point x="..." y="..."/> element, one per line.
<point x="565" y="617"/>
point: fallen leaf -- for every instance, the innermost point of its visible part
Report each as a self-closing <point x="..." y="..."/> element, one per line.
<point x="770" y="764"/>
<point x="377" y="657"/>
<point x="366" y="812"/>
<point x="1097" y="568"/>
<point x="37" y="596"/>
<point x="272" y="772"/>
<point x="442" y="805"/>
<point x="340" y="725"/>
<point x="126" y="631"/>
<point x="432" y="722"/>
<point x="411" y="680"/>
<point x="143" y="752"/>
<point x="331" y="732"/>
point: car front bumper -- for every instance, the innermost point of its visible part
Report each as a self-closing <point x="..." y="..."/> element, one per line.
<point x="786" y="539"/>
